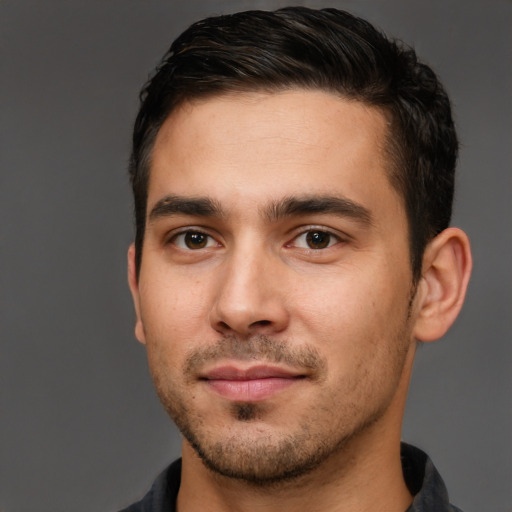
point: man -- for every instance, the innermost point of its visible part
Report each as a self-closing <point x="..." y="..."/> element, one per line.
<point x="293" y="179"/>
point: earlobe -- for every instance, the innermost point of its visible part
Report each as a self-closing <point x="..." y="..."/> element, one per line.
<point x="446" y="270"/>
<point x="134" y="289"/>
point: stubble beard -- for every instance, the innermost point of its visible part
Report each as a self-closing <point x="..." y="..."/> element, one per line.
<point x="269" y="459"/>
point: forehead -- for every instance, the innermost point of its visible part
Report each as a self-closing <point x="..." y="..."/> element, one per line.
<point x="265" y="145"/>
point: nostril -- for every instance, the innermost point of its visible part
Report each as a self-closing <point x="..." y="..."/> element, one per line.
<point x="261" y="323"/>
<point x="242" y="328"/>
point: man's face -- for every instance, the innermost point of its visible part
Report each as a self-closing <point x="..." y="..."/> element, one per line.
<point x="274" y="294"/>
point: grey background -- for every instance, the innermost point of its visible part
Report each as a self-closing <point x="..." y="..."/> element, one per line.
<point x="80" y="426"/>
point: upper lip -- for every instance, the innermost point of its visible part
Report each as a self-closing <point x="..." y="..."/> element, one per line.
<point x="230" y="372"/>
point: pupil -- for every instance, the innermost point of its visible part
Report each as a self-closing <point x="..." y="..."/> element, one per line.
<point x="318" y="239"/>
<point x="195" y="240"/>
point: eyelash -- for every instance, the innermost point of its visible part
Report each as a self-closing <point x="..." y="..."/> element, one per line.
<point x="332" y="239"/>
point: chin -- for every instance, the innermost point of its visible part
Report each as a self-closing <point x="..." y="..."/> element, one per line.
<point x="261" y="462"/>
<point x="258" y="454"/>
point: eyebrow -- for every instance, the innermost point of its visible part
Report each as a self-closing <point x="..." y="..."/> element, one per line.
<point x="324" y="205"/>
<point x="171" y="205"/>
<point x="178" y="205"/>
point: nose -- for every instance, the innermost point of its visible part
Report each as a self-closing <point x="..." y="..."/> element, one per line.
<point x="251" y="296"/>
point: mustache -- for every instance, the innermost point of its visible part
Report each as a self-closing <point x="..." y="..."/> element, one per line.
<point x="256" y="348"/>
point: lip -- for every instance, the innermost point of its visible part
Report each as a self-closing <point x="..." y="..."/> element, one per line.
<point x="251" y="384"/>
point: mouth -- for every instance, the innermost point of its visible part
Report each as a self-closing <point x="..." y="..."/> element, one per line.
<point x="250" y="384"/>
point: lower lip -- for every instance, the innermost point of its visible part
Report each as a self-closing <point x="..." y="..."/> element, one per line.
<point x="250" y="390"/>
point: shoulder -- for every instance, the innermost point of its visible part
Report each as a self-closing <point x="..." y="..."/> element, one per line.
<point x="163" y="493"/>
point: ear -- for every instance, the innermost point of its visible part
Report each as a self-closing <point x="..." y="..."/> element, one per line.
<point x="442" y="288"/>
<point x="134" y="288"/>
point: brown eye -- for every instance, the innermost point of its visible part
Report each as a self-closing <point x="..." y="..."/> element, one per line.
<point x="318" y="239"/>
<point x="193" y="240"/>
<point x="315" y="239"/>
<point x="196" y="240"/>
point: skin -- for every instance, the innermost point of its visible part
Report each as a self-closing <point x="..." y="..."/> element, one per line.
<point x="243" y="278"/>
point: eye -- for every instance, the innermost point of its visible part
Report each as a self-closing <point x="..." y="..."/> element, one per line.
<point x="315" y="239"/>
<point x="193" y="240"/>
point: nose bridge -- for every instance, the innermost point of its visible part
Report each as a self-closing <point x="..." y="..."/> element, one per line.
<point x="248" y="299"/>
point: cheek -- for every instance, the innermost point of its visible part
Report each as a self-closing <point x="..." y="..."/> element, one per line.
<point x="174" y="312"/>
<point x="173" y="302"/>
<point x="339" y="302"/>
<point x="352" y="315"/>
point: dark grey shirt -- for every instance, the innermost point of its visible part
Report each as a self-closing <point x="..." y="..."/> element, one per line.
<point x="420" y="475"/>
